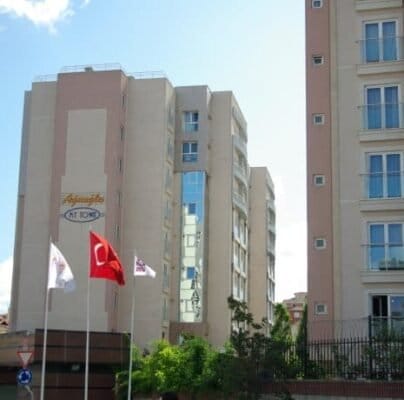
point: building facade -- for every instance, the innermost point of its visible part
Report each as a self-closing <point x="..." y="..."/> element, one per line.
<point x="160" y="171"/>
<point x="355" y="144"/>
<point x="262" y="235"/>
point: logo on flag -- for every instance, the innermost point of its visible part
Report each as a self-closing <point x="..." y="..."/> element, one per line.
<point x="60" y="275"/>
<point x="141" y="269"/>
<point x="104" y="261"/>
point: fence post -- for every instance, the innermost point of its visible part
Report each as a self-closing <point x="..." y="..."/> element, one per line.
<point x="370" y="347"/>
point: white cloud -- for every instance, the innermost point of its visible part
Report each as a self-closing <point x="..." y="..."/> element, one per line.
<point x="44" y="12"/>
<point x="6" y="270"/>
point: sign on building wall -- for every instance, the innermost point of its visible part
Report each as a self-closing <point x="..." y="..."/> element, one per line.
<point x="82" y="207"/>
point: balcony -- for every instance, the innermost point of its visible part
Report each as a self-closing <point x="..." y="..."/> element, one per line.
<point x="381" y="55"/>
<point x="271" y="227"/>
<point x="241" y="144"/>
<point x="382" y="185"/>
<point x="386" y="117"/>
<point x="241" y="174"/>
<point x="385" y="256"/>
<point x="241" y="203"/>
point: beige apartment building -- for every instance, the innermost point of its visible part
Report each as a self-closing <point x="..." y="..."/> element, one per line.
<point x="160" y="171"/>
<point x="355" y="150"/>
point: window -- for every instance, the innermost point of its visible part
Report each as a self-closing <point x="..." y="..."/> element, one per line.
<point x="380" y="42"/>
<point x="170" y="148"/>
<point x="190" y="272"/>
<point x="317" y="3"/>
<point x="169" y="178"/>
<point x="122" y="132"/>
<point x="384" y="178"/>
<point x="382" y="107"/>
<point x="191" y="121"/>
<point x="242" y="260"/>
<point x="191" y="208"/>
<point x="320" y="309"/>
<point x="190" y="151"/>
<point x="171" y="115"/>
<point x="387" y="311"/>
<point x="166" y="276"/>
<point x="318" y="60"/>
<point x="319" y="243"/>
<point x="191" y="240"/>
<point x="318" y="119"/>
<point x="386" y="247"/>
<point x="319" y="180"/>
<point x="167" y="211"/>
<point x="166" y="243"/>
<point x="165" y="310"/>
<point x="236" y="258"/>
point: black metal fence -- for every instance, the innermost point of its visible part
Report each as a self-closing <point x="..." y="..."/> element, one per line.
<point x="376" y="357"/>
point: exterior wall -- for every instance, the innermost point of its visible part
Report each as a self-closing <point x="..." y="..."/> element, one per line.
<point x="86" y="156"/>
<point x="220" y="219"/>
<point x="319" y="158"/>
<point x="26" y="310"/>
<point x="143" y="201"/>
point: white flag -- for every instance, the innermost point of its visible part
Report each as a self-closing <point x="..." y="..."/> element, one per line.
<point x="60" y="275"/>
<point x="141" y="269"/>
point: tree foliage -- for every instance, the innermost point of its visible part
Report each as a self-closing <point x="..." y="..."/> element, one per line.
<point x="250" y="359"/>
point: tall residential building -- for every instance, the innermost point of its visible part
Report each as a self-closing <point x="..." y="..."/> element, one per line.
<point x="262" y="235"/>
<point x="160" y="171"/>
<point x="355" y="150"/>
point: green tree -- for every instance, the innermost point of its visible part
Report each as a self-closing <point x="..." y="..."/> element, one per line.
<point x="249" y="342"/>
<point x="281" y="331"/>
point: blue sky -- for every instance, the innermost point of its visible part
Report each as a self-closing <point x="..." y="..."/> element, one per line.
<point x="255" y="49"/>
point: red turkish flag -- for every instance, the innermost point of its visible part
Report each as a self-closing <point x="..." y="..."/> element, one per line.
<point x="104" y="262"/>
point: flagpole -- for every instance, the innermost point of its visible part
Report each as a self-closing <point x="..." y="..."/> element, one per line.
<point x="45" y="332"/>
<point x="131" y="333"/>
<point x="87" y="335"/>
<point x="87" y="340"/>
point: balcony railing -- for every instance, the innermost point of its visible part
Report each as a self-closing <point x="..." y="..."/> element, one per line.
<point x="382" y="116"/>
<point x="240" y="202"/>
<point x="241" y="144"/>
<point x="387" y="49"/>
<point x="381" y="185"/>
<point x="385" y="256"/>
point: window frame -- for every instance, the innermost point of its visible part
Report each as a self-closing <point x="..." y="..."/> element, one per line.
<point x="317" y="311"/>
<point x="382" y="105"/>
<point x="385" y="175"/>
<point x="380" y="41"/>
<point x="386" y="246"/>
<point x="320" y="117"/>
<point x="321" y="177"/>
<point x="192" y="154"/>
<point x="317" y="59"/>
<point x="316" y="243"/>
<point x="192" y="125"/>
<point x="320" y="3"/>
